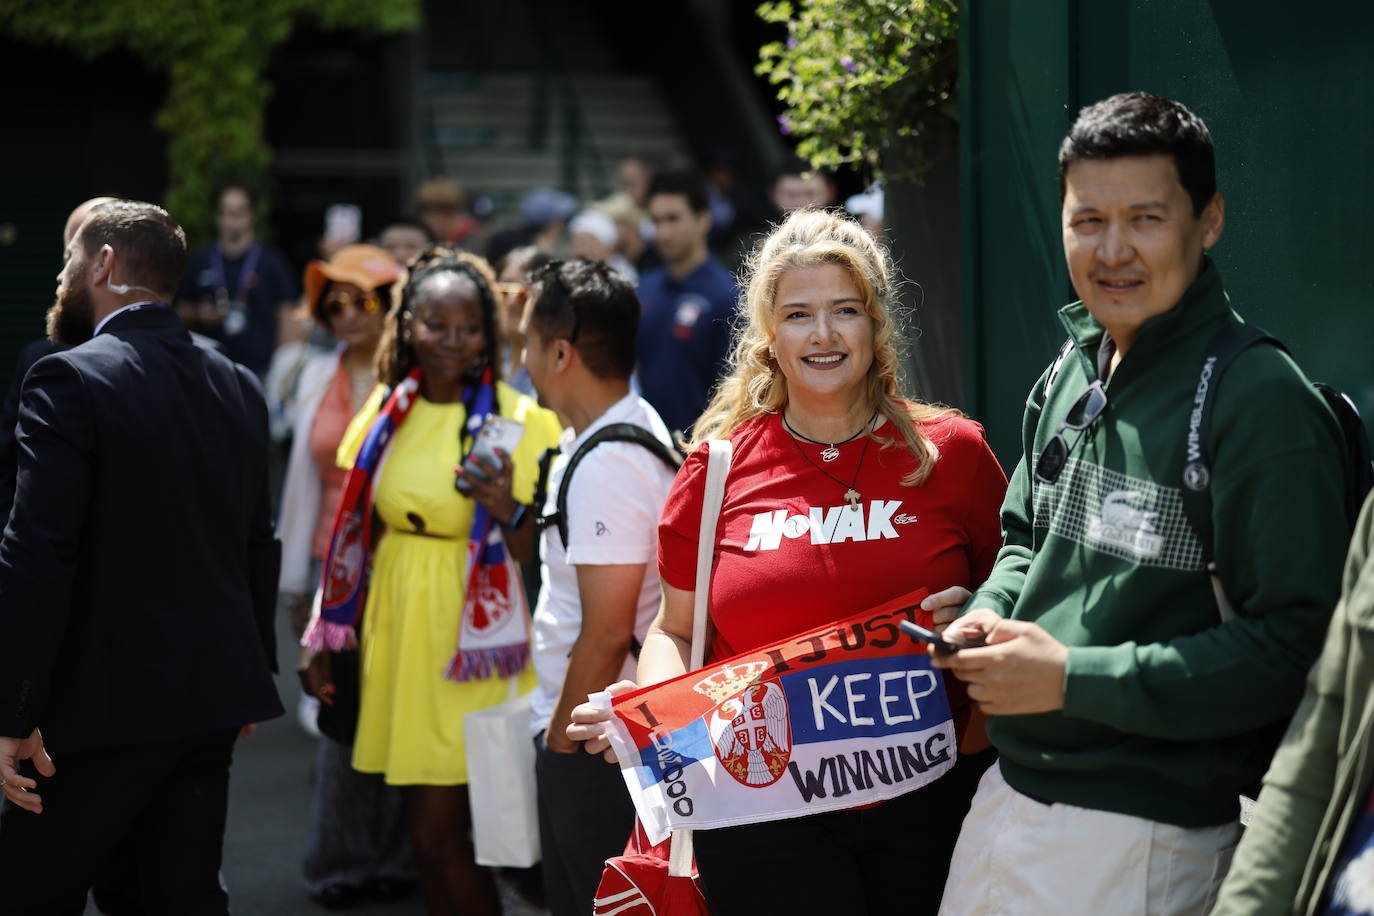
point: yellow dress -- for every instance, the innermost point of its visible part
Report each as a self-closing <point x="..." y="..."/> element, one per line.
<point x="410" y="725"/>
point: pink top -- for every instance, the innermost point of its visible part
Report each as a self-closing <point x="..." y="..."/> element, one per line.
<point x="331" y="420"/>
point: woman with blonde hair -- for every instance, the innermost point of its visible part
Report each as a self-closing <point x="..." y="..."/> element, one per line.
<point x="901" y="495"/>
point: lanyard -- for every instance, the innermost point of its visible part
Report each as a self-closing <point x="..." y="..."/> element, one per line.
<point x="250" y="264"/>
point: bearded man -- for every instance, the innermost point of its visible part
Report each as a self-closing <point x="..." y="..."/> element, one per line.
<point x="137" y="576"/>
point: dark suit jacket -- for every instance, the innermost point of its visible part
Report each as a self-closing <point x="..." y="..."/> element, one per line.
<point x="9" y="419"/>
<point x="138" y="569"/>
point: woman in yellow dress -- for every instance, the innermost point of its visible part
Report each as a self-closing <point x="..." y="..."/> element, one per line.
<point x="434" y="649"/>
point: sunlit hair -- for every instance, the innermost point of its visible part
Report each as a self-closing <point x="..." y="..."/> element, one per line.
<point x="755" y="384"/>
<point x="395" y="354"/>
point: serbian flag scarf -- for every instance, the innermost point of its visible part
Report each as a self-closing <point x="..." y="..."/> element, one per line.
<point x="841" y="716"/>
<point x="493" y="633"/>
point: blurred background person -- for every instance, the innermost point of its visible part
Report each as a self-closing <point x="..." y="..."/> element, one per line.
<point x="358" y="843"/>
<point x="634" y="172"/>
<point x="867" y="208"/>
<point x="439" y="368"/>
<point x="404" y="239"/>
<point x="442" y="205"/>
<point x="592" y="236"/>
<point x="513" y="287"/>
<point x="629" y="218"/>
<point x="544" y="214"/>
<point x="32" y="353"/>
<point x="235" y="289"/>
<point x="798" y="185"/>
<point x="689" y="303"/>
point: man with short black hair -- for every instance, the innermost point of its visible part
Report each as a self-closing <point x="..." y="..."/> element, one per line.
<point x="689" y="303"/>
<point x="1128" y="704"/>
<point x="235" y="290"/>
<point x="138" y="583"/>
<point x="797" y="185"/>
<point x="404" y="239"/>
<point x="601" y="587"/>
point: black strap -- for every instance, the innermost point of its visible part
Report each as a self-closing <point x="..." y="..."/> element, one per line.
<point x="541" y="486"/>
<point x="1222" y="349"/>
<point x="613" y="432"/>
<point x="1360" y="471"/>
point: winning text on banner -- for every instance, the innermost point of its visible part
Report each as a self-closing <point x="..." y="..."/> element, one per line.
<point x="844" y="715"/>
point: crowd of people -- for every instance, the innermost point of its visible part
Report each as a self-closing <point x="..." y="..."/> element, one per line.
<point x="496" y="471"/>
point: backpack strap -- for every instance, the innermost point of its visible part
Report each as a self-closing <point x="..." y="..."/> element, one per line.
<point x="1222" y="349"/>
<point x="541" y="486"/>
<point x="1360" y="473"/>
<point x="614" y="432"/>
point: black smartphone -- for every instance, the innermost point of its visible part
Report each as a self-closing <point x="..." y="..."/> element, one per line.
<point x="929" y="636"/>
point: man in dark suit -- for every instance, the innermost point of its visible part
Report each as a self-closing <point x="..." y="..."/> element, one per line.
<point x="137" y="584"/>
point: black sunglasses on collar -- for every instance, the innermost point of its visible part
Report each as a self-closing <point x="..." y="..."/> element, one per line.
<point x="1090" y="405"/>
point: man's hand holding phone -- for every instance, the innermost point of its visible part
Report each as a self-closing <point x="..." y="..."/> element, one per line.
<point x="1012" y="667"/>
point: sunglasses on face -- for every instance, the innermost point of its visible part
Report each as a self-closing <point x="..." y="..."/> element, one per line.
<point x="512" y="292"/>
<point x="1084" y="412"/>
<point x="336" y="303"/>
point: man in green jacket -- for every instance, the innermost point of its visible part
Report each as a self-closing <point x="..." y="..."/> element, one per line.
<point x="1127" y="714"/>
<point x="1310" y="847"/>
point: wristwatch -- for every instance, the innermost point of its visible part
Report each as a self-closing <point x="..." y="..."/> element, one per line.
<point x="517" y="518"/>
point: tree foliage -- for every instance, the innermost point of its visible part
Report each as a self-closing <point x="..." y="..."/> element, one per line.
<point x="214" y="54"/>
<point x="868" y="82"/>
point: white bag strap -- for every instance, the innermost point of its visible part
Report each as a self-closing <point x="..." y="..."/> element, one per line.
<point x="717" y="467"/>
<point x="719" y="454"/>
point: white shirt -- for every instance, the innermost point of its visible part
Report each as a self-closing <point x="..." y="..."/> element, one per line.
<point x="131" y="307"/>
<point x="614" y="501"/>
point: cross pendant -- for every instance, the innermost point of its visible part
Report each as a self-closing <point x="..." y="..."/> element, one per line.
<point x="853" y="497"/>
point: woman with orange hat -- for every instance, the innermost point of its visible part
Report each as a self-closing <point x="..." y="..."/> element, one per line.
<point x="358" y="841"/>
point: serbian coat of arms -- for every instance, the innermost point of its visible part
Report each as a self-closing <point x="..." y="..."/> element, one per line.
<point x="749" y="725"/>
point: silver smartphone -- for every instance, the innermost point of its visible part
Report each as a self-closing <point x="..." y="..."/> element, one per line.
<point x="497" y="433"/>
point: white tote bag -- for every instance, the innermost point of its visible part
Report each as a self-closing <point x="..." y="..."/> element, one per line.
<point x="501" y="791"/>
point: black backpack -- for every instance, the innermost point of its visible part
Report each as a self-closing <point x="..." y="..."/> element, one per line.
<point x="614" y="432"/>
<point x="1225" y="346"/>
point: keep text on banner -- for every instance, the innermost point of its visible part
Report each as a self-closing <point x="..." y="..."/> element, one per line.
<point x="841" y="716"/>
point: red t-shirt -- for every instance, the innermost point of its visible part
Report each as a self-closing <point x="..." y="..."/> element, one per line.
<point x="792" y="555"/>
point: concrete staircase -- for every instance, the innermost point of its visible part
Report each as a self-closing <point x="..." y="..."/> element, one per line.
<point x="502" y="134"/>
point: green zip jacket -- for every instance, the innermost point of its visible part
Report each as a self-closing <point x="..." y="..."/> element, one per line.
<point x="1168" y="712"/>
<point x="1321" y="776"/>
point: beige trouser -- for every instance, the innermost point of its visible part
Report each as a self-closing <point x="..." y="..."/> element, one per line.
<point x="1019" y="857"/>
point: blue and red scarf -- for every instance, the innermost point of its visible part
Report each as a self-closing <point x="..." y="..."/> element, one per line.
<point x="493" y="632"/>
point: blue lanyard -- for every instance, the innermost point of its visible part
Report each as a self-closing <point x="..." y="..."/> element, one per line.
<point x="250" y="264"/>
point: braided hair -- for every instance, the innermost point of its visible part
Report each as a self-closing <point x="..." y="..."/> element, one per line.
<point x="395" y="353"/>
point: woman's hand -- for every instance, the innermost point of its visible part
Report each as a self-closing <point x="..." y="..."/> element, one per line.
<point x="493" y="492"/>
<point x="946" y="605"/>
<point x="588" y="723"/>
<point x="316" y="678"/>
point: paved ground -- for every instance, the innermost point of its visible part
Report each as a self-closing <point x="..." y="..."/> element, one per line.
<point x="269" y="801"/>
